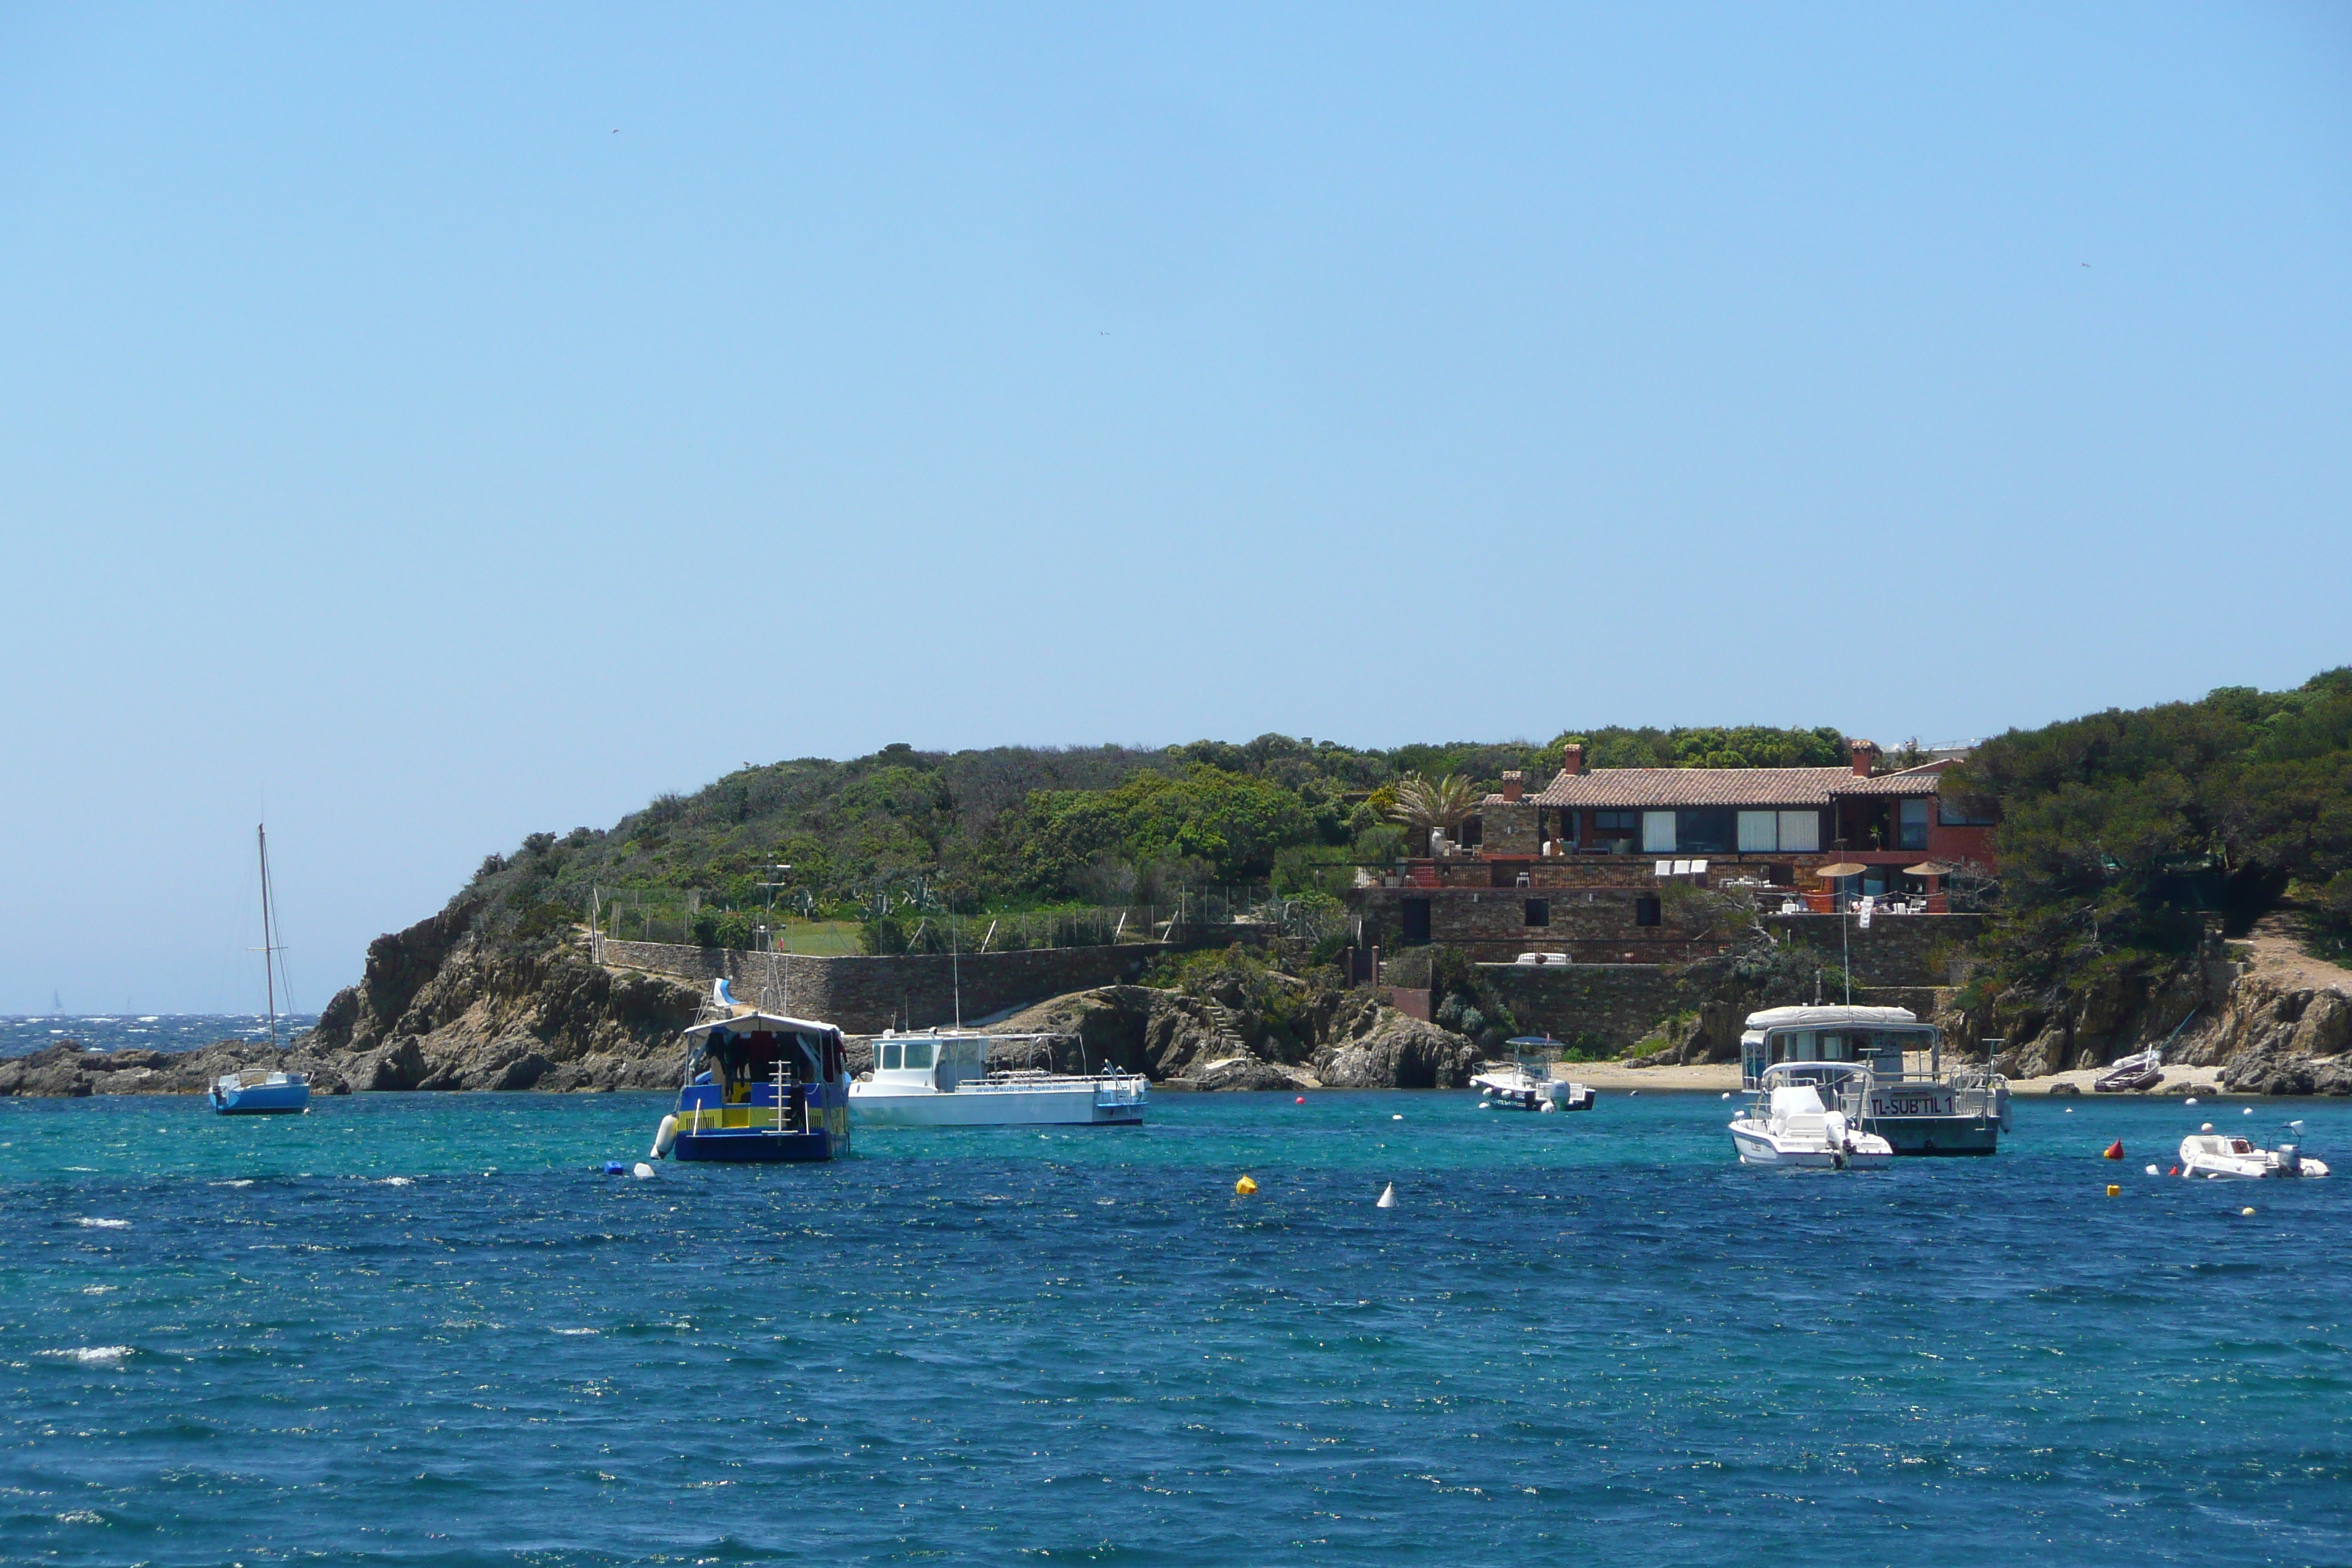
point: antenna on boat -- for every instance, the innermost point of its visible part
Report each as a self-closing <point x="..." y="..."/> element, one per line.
<point x="955" y="969"/>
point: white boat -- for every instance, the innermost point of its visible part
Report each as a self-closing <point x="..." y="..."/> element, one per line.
<point x="1789" y="1127"/>
<point x="2224" y="1156"/>
<point x="944" y="1079"/>
<point x="1525" y="1083"/>
<point x="1911" y="1097"/>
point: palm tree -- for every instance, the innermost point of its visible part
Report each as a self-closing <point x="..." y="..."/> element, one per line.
<point x="1425" y="806"/>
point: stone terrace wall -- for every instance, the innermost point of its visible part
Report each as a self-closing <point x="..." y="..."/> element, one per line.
<point x="1897" y="950"/>
<point x="1611" y="1005"/>
<point x="915" y="990"/>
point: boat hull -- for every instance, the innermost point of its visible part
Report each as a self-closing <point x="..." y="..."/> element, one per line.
<point x="1939" y="1135"/>
<point x="1759" y="1148"/>
<point x="263" y="1099"/>
<point x="754" y="1147"/>
<point x="995" y="1108"/>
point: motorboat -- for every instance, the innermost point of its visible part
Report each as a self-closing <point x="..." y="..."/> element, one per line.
<point x="1525" y="1082"/>
<point x="2127" y="1075"/>
<point x="2224" y="1156"/>
<point x="948" y="1078"/>
<point x="1789" y="1126"/>
<point x="769" y="1089"/>
<point x="1916" y="1103"/>
<point x="260" y="1091"/>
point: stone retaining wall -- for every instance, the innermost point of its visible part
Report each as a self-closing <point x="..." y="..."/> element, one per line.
<point x="1897" y="950"/>
<point x="913" y="990"/>
<point x="1607" y="1007"/>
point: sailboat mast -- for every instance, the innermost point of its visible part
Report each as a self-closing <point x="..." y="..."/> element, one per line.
<point x="268" y="935"/>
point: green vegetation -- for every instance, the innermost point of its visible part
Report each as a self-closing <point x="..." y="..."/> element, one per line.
<point x="2123" y="832"/>
<point x="889" y="845"/>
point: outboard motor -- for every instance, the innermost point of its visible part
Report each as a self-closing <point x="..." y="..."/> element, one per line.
<point x="2290" y="1159"/>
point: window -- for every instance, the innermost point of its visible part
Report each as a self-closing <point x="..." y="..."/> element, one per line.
<point x="919" y="1056"/>
<point x="1645" y="911"/>
<point x="1760" y="832"/>
<point x="1473" y="831"/>
<point x="1539" y="912"/>
<point x="886" y="1057"/>
<point x="1800" y="832"/>
<point x="1911" y="824"/>
<point x="1658" y="833"/>
<point x="1953" y="812"/>
<point x="1705" y="830"/>
<point x="1607" y="822"/>
<point x="1415" y="912"/>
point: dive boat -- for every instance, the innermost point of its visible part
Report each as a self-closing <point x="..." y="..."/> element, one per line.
<point x="1915" y="1103"/>
<point x="1525" y="1082"/>
<point x="1789" y="1126"/>
<point x="769" y="1089"/>
<point x="936" y="1078"/>
<point x="2218" y="1156"/>
<point x="263" y="1091"/>
<point x="259" y="1091"/>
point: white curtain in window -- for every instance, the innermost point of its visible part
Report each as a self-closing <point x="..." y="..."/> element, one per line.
<point x="1657" y="832"/>
<point x="1800" y="832"/>
<point x="1760" y="832"/>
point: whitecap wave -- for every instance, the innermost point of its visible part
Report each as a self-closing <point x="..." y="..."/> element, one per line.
<point x="89" y="1353"/>
<point x="98" y="1289"/>
<point x="105" y="1224"/>
<point x="398" y="1181"/>
<point x="81" y="1516"/>
<point x="579" y="1330"/>
<point x="240" y="1182"/>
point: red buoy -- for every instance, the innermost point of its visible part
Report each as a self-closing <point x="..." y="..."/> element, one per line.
<point x="2174" y="1172"/>
<point x="1300" y="1100"/>
<point x="2115" y="1150"/>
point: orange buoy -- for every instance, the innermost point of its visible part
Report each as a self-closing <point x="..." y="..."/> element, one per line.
<point x="2114" y="1150"/>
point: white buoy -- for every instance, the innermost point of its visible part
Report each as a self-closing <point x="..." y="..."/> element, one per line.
<point x="2248" y="1111"/>
<point x="1388" y="1197"/>
<point x="2070" y="1110"/>
<point x="664" y="1136"/>
<point x="2190" y="1100"/>
<point x="2204" y="1127"/>
<point x="2151" y="1170"/>
<point x="1397" y="1118"/>
<point x="2247" y="1212"/>
<point x="1632" y="1091"/>
<point x="1547" y="1107"/>
<point x="644" y="1171"/>
<point x="1726" y="1094"/>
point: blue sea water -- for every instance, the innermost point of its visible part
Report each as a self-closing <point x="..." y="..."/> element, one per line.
<point x="21" y="1035"/>
<point x="426" y="1329"/>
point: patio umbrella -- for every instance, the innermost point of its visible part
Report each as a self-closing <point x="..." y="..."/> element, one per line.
<point x="1842" y="868"/>
<point x="1928" y="869"/>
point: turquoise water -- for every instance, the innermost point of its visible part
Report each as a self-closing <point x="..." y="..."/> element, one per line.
<point x="426" y="1330"/>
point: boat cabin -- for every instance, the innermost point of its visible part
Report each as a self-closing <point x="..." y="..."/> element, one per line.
<point x="933" y="1061"/>
<point x="1889" y="1040"/>
<point x="767" y="1065"/>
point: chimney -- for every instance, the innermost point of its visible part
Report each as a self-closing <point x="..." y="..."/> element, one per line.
<point x="1571" y="757"/>
<point x="1515" y="784"/>
<point x="1865" y="753"/>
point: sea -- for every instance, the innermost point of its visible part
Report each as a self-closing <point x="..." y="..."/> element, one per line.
<point x="431" y="1329"/>
<point x="21" y="1036"/>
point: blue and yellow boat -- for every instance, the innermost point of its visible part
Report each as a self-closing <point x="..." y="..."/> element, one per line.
<point x="762" y="1087"/>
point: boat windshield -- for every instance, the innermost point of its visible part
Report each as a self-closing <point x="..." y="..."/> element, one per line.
<point x="918" y="1055"/>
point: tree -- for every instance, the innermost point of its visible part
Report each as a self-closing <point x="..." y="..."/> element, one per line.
<point x="1423" y="805"/>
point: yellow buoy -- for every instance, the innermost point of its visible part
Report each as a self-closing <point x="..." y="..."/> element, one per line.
<point x="2115" y="1191"/>
<point x="1244" y="1186"/>
<point x="2247" y="1212"/>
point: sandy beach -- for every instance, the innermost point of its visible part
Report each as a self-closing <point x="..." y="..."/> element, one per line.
<point x="1715" y="1078"/>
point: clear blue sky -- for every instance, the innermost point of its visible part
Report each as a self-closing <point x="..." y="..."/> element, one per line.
<point x="456" y="422"/>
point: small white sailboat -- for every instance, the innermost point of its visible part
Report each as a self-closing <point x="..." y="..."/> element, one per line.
<point x="263" y="1092"/>
<point x="2224" y="1156"/>
<point x="1789" y="1127"/>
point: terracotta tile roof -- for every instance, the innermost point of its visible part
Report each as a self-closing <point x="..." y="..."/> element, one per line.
<point x="1608" y="789"/>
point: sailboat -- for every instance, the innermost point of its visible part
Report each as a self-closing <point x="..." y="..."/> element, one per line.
<point x="263" y="1091"/>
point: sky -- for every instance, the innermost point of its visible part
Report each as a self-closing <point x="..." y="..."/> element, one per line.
<point x="429" y="425"/>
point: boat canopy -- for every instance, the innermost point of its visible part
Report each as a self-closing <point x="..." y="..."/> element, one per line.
<point x="1830" y="1017"/>
<point x="757" y="1023"/>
